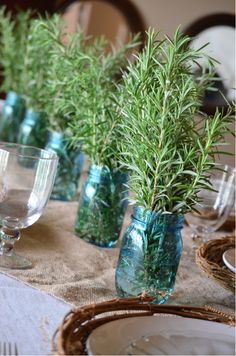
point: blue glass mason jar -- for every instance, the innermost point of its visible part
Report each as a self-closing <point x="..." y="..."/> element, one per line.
<point x="102" y="206"/>
<point x="149" y="256"/>
<point x="33" y="130"/>
<point x="69" y="167"/>
<point x="11" y="117"/>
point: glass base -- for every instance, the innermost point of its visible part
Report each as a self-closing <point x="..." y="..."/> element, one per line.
<point x="14" y="261"/>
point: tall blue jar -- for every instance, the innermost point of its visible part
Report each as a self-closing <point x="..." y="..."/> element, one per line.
<point x="149" y="255"/>
<point x="33" y="130"/>
<point x="102" y="206"/>
<point x="69" y="167"/>
<point x="11" y="117"/>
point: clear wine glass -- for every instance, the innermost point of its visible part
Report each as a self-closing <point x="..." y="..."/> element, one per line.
<point x="26" y="180"/>
<point x="215" y="206"/>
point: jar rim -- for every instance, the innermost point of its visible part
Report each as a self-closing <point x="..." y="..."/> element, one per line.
<point x="145" y="215"/>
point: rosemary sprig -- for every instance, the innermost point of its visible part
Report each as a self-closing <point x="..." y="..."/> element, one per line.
<point x="60" y="47"/>
<point x="95" y="126"/>
<point x="36" y="71"/>
<point x="163" y="144"/>
<point x="83" y="79"/>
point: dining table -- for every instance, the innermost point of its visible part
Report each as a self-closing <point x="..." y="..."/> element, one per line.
<point x="68" y="272"/>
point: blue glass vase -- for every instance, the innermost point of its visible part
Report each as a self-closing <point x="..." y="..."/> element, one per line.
<point x="69" y="167"/>
<point x="102" y="206"/>
<point x="33" y="131"/>
<point x="149" y="255"/>
<point x="11" y="117"/>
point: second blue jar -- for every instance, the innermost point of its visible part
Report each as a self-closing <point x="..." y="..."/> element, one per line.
<point x="102" y="206"/>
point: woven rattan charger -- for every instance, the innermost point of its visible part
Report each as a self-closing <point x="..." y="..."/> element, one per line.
<point x="71" y="336"/>
<point x="209" y="259"/>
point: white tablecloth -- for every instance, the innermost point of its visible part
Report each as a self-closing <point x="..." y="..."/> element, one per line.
<point x="28" y="316"/>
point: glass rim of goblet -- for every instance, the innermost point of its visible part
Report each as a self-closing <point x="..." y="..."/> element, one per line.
<point x="49" y="155"/>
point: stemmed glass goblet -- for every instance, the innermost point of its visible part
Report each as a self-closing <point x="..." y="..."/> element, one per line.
<point x="26" y="180"/>
<point x="215" y="206"/>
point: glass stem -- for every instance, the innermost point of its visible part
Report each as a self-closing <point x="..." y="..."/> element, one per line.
<point x="206" y="237"/>
<point x="7" y="239"/>
<point x="197" y="240"/>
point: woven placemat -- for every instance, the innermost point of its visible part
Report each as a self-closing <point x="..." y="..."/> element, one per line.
<point x="71" y="336"/>
<point x="209" y="259"/>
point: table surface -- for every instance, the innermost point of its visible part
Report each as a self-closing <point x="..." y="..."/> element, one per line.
<point x="67" y="268"/>
<point x="29" y="317"/>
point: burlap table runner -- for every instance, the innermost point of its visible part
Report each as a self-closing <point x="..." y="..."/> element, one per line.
<point x="80" y="273"/>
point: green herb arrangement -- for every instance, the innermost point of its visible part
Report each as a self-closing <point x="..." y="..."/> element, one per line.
<point x="83" y="84"/>
<point x="169" y="151"/>
<point x="35" y="71"/>
<point x="80" y="81"/>
<point x="95" y="126"/>
<point x="23" y="65"/>
<point x="57" y="45"/>
<point x="13" y="39"/>
<point x="169" y="146"/>
<point x="88" y="99"/>
<point x="35" y="75"/>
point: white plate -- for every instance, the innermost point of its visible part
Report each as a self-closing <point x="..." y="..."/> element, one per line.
<point x="229" y="259"/>
<point x="161" y="335"/>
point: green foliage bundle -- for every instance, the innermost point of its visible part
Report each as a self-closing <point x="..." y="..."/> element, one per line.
<point x="83" y="79"/>
<point x="169" y="152"/>
<point x="13" y="38"/>
<point x="24" y="61"/>
<point x="35" y="72"/>
<point x="94" y="115"/>
<point x="61" y="47"/>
